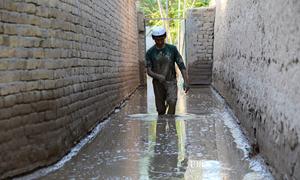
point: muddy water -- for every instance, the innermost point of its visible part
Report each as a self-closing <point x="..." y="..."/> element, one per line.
<point x="203" y="141"/>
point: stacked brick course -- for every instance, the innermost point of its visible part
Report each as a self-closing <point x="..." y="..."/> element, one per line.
<point x="199" y="44"/>
<point x="64" y="65"/>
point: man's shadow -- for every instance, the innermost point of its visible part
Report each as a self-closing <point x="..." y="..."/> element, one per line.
<point x="164" y="164"/>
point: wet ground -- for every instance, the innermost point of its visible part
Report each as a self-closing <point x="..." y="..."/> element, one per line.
<point x="202" y="141"/>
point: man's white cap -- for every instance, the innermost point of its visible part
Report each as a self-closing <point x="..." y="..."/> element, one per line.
<point x="158" y="31"/>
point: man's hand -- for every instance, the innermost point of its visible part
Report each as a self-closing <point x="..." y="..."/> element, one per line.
<point x="161" y="78"/>
<point x="186" y="87"/>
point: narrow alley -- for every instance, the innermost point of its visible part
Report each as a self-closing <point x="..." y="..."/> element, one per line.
<point x="202" y="141"/>
<point x="76" y="101"/>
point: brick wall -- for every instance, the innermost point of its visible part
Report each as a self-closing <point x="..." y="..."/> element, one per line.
<point x="199" y="44"/>
<point x="256" y="68"/>
<point x="64" y="65"/>
<point x="142" y="48"/>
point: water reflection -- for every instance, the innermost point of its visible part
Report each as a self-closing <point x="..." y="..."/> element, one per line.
<point x="200" y="142"/>
<point x="165" y="161"/>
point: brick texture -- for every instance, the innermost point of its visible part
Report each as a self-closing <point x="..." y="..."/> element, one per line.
<point x="256" y="68"/>
<point x="142" y="48"/>
<point x="64" y="65"/>
<point x="199" y="44"/>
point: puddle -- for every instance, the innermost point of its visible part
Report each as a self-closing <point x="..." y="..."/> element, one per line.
<point x="202" y="141"/>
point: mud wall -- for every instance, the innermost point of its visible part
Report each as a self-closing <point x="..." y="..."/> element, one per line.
<point x="199" y="44"/>
<point x="142" y="48"/>
<point x="64" y="65"/>
<point x="256" y="68"/>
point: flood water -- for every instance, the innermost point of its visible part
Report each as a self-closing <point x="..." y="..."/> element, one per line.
<point x="202" y="141"/>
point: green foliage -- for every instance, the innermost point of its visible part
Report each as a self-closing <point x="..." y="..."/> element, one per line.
<point x="152" y="10"/>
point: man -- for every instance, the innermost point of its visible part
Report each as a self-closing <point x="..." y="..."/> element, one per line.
<point x="160" y="63"/>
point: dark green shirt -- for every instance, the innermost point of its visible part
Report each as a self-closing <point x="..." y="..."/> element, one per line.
<point x="162" y="61"/>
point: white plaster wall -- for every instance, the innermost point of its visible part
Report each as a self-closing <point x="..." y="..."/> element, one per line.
<point x="257" y="69"/>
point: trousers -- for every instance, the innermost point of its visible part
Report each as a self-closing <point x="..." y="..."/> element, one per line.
<point x="165" y="95"/>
